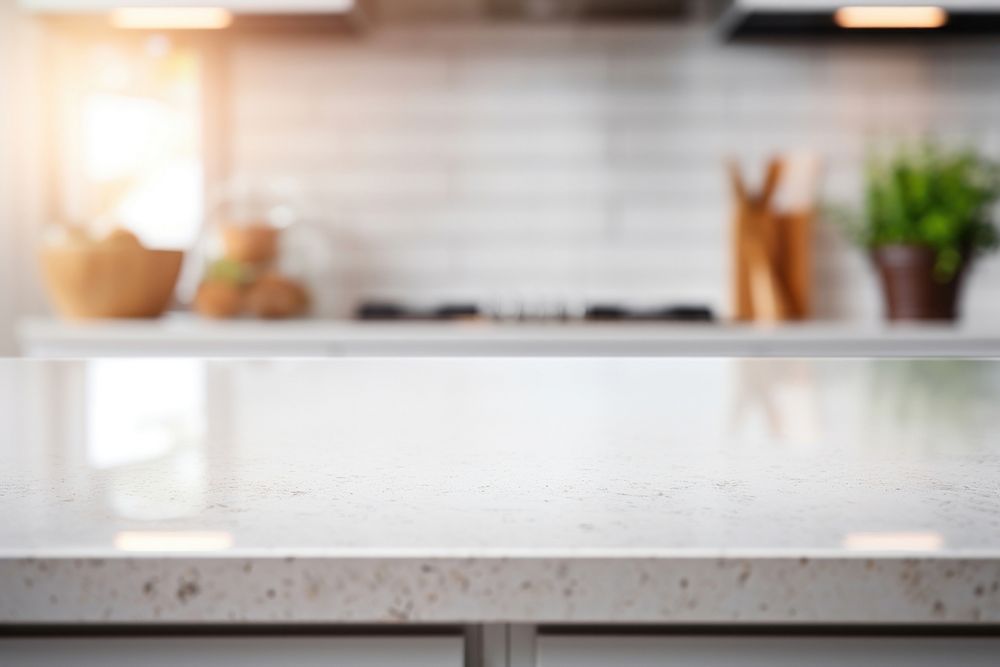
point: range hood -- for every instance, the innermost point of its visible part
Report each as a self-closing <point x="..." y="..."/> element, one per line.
<point x="197" y="14"/>
<point x="748" y="18"/>
<point x="235" y="6"/>
<point x="389" y="11"/>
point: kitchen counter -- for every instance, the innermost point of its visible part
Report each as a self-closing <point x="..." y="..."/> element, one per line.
<point x="186" y="335"/>
<point x="669" y="491"/>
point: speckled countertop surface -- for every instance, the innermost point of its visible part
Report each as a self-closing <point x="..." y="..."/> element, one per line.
<point x="519" y="490"/>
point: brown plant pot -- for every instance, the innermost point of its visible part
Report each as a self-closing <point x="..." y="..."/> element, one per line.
<point x="909" y="286"/>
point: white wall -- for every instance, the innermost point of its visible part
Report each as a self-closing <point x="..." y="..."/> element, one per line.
<point x="6" y="179"/>
<point x="20" y="198"/>
<point x="580" y="163"/>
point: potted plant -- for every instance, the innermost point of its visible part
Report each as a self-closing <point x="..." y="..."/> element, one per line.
<point x="927" y="213"/>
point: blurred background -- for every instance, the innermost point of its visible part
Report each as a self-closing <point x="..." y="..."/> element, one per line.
<point x="647" y="162"/>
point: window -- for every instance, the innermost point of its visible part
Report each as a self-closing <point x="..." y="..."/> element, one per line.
<point x="127" y="147"/>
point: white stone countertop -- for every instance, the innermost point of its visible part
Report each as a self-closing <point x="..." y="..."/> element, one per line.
<point x="187" y="335"/>
<point x="518" y="490"/>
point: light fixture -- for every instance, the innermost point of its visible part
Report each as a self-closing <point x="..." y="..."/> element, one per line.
<point x="891" y="17"/>
<point x="904" y="541"/>
<point x="171" y="18"/>
<point x="160" y="541"/>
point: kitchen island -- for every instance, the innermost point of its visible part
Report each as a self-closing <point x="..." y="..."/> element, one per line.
<point x="503" y="511"/>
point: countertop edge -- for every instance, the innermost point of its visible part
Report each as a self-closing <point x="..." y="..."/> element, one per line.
<point x="171" y="589"/>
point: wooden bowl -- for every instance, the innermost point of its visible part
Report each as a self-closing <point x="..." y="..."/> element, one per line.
<point x="93" y="281"/>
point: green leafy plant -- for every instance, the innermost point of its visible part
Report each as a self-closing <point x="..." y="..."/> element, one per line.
<point x="930" y="196"/>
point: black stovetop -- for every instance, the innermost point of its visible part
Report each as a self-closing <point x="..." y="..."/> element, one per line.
<point x="599" y="312"/>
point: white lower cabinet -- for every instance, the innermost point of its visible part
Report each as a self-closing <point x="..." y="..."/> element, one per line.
<point x="721" y="651"/>
<point x="548" y="650"/>
<point x="372" y="651"/>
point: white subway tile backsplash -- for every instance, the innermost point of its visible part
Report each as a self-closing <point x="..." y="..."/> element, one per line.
<point x="517" y="182"/>
<point x="528" y="72"/>
<point x="352" y="185"/>
<point x="675" y="226"/>
<point x="581" y="163"/>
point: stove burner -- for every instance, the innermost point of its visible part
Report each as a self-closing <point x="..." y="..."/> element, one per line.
<point x="684" y="313"/>
<point x="390" y="311"/>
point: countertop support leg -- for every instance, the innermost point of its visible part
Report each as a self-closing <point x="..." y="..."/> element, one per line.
<point x="500" y="645"/>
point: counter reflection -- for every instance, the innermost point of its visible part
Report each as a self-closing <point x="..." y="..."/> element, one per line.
<point x="193" y="454"/>
<point x="147" y="419"/>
